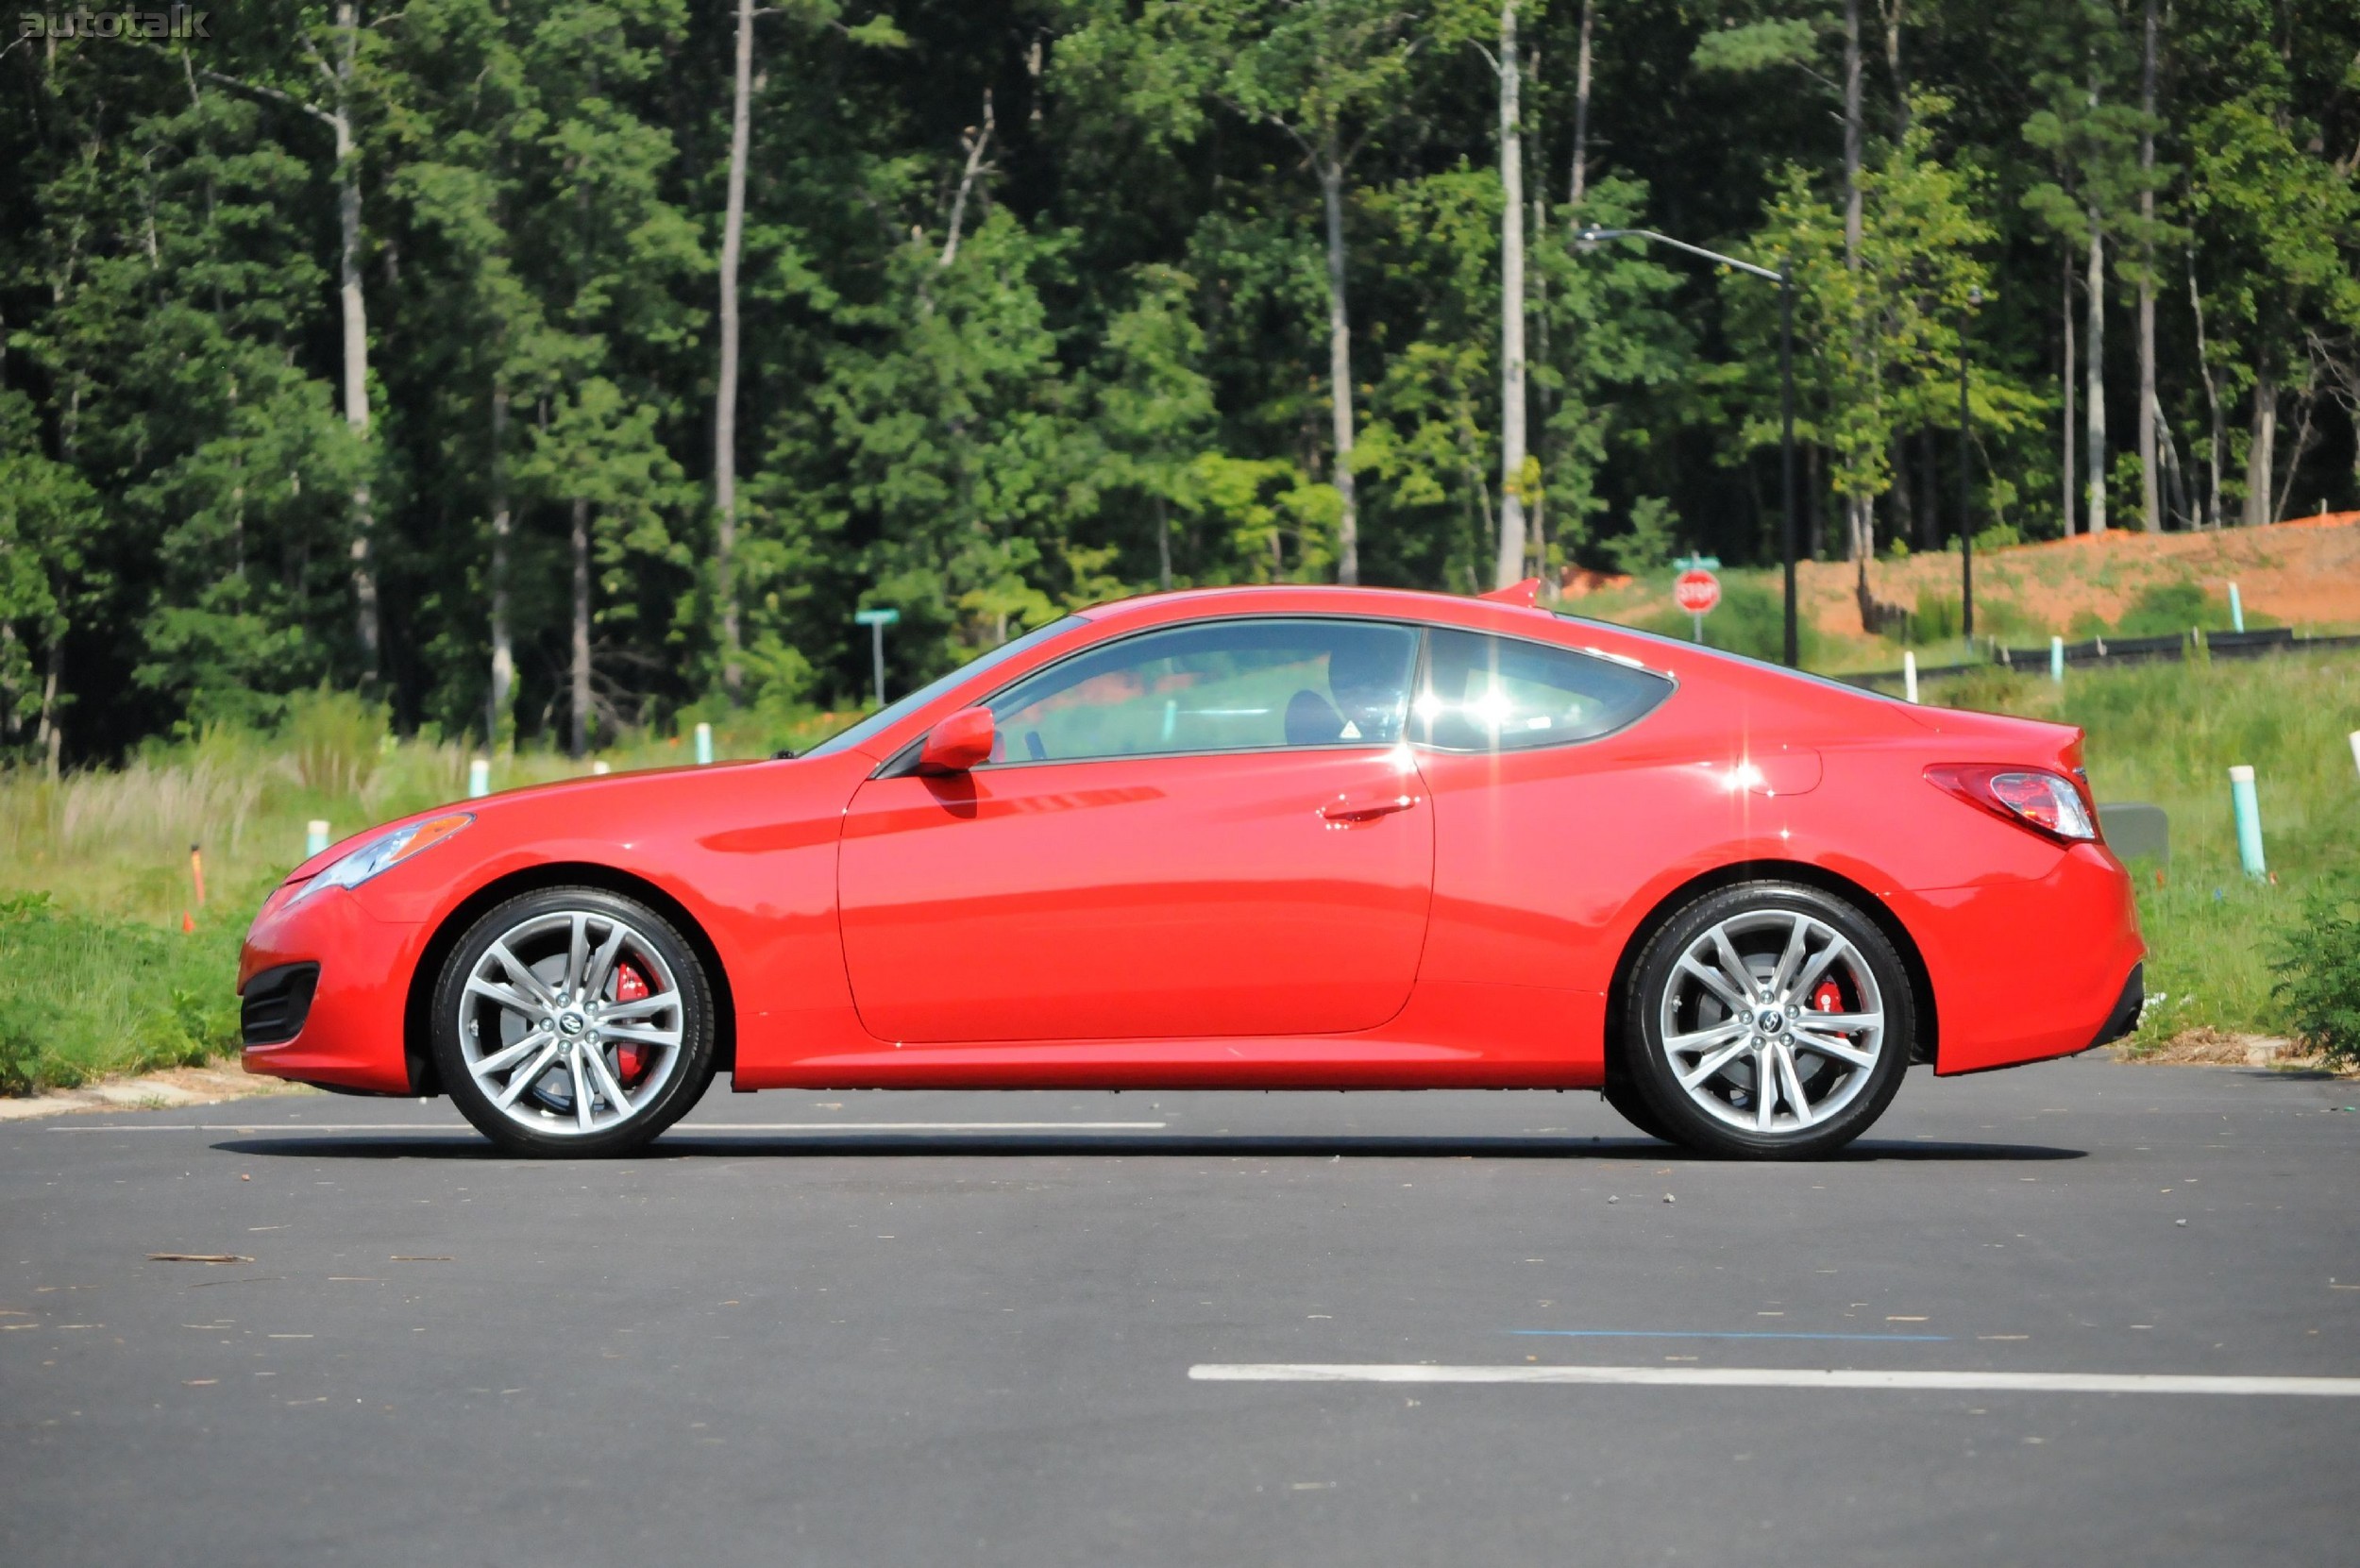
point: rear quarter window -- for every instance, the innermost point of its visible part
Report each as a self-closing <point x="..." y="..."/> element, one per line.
<point x="1500" y="694"/>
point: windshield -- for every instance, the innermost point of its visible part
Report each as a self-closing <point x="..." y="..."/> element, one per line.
<point x="885" y="718"/>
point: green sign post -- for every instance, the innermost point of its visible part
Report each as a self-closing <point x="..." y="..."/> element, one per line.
<point x="877" y="620"/>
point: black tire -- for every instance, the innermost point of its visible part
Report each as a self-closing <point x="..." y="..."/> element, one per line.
<point x="1843" y="1078"/>
<point x="547" y="1119"/>
<point x="1634" y="1109"/>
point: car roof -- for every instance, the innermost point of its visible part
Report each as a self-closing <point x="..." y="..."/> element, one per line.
<point x="1322" y="598"/>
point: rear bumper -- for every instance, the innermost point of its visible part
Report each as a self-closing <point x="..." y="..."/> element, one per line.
<point x="2125" y="1016"/>
<point x="2026" y="969"/>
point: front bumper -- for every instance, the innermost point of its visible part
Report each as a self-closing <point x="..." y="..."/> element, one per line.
<point x="350" y="1035"/>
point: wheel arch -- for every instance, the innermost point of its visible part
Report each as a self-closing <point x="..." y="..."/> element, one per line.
<point x="417" y="1010"/>
<point x="1871" y="908"/>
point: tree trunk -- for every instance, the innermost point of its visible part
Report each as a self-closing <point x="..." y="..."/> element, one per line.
<point x="1510" y="566"/>
<point x="1163" y="545"/>
<point x="2094" y="372"/>
<point x="1814" y="542"/>
<point x="50" y="737"/>
<point x="1892" y="12"/>
<point x="1860" y="520"/>
<point x="1928" y="480"/>
<point x="1904" y="503"/>
<point x="2150" y="409"/>
<point x="581" y="742"/>
<point x="1340" y="364"/>
<point x="1852" y="136"/>
<point x="725" y="389"/>
<point x="2072" y="469"/>
<point x="2210" y="514"/>
<point x="1580" y="182"/>
<point x="500" y="720"/>
<point x="2261" y="455"/>
<point x="356" y="329"/>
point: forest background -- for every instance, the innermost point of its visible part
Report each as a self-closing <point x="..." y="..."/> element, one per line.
<point x="546" y="370"/>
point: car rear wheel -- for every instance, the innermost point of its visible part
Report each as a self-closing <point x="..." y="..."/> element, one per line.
<point x="573" y="1021"/>
<point x="1768" y="1021"/>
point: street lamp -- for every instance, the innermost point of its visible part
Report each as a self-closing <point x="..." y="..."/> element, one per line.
<point x="1966" y="501"/>
<point x="1784" y="279"/>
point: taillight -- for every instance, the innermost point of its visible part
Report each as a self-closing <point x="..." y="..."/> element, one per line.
<point x="2034" y="798"/>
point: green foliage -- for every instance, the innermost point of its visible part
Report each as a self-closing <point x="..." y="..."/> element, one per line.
<point x="999" y="360"/>
<point x="2319" y="971"/>
<point x="1654" y="535"/>
<point x="336" y="739"/>
<point x="1750" y="619"/>
<point x="81" y="996"/>
<point x="2169" y="608"/>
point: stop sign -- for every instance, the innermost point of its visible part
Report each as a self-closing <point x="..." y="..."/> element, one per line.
<point x="1697" y="591"/>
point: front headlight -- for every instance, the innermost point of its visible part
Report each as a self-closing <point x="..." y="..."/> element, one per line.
<point x="383" y="853"/>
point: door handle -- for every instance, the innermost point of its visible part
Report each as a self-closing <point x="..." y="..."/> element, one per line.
<point x="1338" y="811"/>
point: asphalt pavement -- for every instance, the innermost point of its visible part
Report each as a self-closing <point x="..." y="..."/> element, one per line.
<point x="1103" y="1329"/>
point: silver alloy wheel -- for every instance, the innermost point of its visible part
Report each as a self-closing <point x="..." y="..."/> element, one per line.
<point x="541" y="1026"/>
<point x="1742" y="1034"/>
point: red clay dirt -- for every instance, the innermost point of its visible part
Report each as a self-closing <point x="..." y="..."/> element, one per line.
<point x="2303" y="573"/>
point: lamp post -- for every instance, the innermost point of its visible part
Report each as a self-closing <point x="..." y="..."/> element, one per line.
<point x="1966" y="498"/>
<point x="1784" y="279"/>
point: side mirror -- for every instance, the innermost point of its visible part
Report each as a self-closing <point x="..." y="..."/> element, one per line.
<point x="958" y="743"/>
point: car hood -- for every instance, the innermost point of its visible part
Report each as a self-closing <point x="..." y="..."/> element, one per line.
<point x="507" y="802"/>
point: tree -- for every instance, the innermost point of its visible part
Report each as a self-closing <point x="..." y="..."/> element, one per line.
<point x="1514" y="480"/>
<point x="336" y="106"/>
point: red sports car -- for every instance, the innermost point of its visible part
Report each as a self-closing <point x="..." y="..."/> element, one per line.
<point x="1244" y="838"/>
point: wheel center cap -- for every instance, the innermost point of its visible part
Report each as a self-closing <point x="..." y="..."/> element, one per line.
<point x="569" y="1022"/>
<point x="1771" y="1021"/>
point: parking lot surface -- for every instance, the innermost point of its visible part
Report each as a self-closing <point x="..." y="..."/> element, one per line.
<point x="1098" y="1329"/>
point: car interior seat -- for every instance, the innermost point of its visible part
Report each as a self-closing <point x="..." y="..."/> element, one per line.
<point x="1312" y="720"/>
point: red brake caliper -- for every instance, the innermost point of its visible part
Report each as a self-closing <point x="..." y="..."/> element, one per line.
<point x="630" y="1057"/>
<point x="1826" y="999"/>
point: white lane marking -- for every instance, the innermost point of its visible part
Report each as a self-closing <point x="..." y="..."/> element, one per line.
<point x="1778" y="1377"/>
<point x="684" y="1127"/>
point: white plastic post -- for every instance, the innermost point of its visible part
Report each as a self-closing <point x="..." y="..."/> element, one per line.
<point x="704" y="745"/>
<point x="314" y="837"/>
<point x="478" y="778"/>
<point x="2056" y="660"/>
<point x="1909" y="674"/>
<point x="600" y="767"/>
<point x="2236" y="610"/>
<point x="2356" y="747"/>
<point x="2248" y="812"/>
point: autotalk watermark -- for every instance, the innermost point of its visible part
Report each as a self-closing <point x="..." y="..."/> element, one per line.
<point x="175" y="22"/>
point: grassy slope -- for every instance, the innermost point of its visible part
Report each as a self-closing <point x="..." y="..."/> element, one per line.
<point x="95" y="976"/>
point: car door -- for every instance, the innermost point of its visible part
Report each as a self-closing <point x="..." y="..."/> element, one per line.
<point x="1546" y="803"/>
<point x="1204" y="830"/>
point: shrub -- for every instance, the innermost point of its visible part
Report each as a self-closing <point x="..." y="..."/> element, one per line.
<point x="2166" y="607"/>
<point x="2319" y="971"/>
<point x="1750" y="619"/>
<point x="337" y="739"/>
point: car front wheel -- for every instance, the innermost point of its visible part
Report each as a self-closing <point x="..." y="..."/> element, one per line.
<point x="1768" y="1021"/>
<point x="573" y="1021"/>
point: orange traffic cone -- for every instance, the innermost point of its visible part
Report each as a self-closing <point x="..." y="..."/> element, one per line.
<point x="188" y="923"/>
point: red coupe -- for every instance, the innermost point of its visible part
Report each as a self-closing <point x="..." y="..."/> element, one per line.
<point x="1244" y="838"/>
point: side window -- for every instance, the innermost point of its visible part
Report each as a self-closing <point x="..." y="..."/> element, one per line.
<point x="1484" y="694"/>
<point x="1217" y="687"/>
